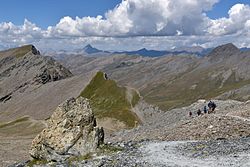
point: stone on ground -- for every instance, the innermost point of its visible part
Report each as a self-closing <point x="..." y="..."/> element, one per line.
<point x="71" y="131"/>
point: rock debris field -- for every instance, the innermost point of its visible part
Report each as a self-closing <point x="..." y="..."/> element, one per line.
<point x="173" y="139"/>
<point x="219" y="153"/>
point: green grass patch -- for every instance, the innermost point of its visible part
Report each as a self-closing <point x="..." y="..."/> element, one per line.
<point x="109" y="100"/>
<point x="34" y="162"/>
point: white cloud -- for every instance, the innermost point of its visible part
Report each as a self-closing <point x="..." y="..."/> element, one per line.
<point x="12" y="34"/>
<point x="239" y="17"/>
<point x="133" y="24"/>
<point x="141" y="18"/>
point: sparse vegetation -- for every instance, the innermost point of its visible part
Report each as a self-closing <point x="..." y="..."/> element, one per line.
<point x="178" y="93"/>
<point x="109" y="100"/>
<point x="24" y="126"/>
<point x="19" y="120"/>
<point x="20" y="51"/>
<point x="106" y="148"/>
<point x="34" y="162"/>
<point x="79" y="158"/>
<point x="135" y="99"/>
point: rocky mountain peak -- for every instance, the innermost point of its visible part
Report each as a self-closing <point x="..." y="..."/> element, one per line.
<point x="88" y="46"/>
<point x="90" y="49"/>
<point x="143" y="49"/>
<point x="34" y="50"/>
<point x="224" y="50"/>
<point x="71" y="131"/>
<point x="23" y="68"/>
<point x="20" y="51"/>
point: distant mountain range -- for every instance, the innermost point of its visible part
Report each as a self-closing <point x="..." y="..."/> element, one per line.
<point x="145" y="52"/>
<point x="174" y="81"/>
<point x="89" y="50"/>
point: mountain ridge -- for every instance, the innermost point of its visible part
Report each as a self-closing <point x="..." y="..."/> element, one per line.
<point x="176" y="80"/>
<point x="108" y="100"/>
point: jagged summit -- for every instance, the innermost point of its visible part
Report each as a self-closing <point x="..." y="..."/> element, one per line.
<point x="224" y="50"/>
<point x="23" y="68"/>
<point x="90" y="49"/>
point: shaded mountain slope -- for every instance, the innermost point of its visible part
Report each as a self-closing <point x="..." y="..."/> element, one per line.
<point x="34" y="85"/>
<point x="22" y="67"/>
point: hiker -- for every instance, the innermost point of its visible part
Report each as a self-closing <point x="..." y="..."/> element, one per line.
<point x="199" y="112"/>
<point x="190" y="114"/>
<point x="205" y="109"/>
<point x="105" y="76"/>
<point x="211" y="106"/>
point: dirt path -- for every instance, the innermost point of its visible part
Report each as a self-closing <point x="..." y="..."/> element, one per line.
<point x="238" y="117"/>
<point x="165" y="154"/>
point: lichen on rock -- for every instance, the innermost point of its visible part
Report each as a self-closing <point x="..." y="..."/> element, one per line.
<point x="71" y="131"/>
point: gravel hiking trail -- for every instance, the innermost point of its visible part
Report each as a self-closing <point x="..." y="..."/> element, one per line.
<point x="166" y="154"/>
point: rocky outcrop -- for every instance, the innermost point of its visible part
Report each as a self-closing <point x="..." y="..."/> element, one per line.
<point x="34" y="50"/>
<point x="24" y="69"/>
<point x="53" y="71"/>
<point x="71" y="131"/>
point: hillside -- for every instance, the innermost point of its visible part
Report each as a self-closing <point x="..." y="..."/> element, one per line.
<point x="33" y="85"/>
<point x="110" y="101"/>
<point x="230" y="121"/>
<point x="176" y="80"/>
<point x="22" y="67"/>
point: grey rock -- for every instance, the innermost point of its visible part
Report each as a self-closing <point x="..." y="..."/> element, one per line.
<point x="71" y="131"/>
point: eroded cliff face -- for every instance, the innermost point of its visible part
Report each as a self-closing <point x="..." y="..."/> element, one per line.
<point x="71" y="131"/>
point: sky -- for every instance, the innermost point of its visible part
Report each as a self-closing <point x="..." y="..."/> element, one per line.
<point x="124" y="24"/>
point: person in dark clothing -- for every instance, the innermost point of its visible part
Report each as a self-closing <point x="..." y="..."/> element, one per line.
<point x="205" y="109"/>
<point x="105" y="76"/>
<point x="211" y="106"/>
<point x="190" y="114"/>
<point x="199" y="112"/>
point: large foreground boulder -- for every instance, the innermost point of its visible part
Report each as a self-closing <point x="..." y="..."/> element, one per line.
<point x="71" y="131"/>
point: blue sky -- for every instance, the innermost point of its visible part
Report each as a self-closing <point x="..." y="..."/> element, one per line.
<point x="48" y="12"/>
<point x="220" y="9"/>
<point x="124" y="25"/>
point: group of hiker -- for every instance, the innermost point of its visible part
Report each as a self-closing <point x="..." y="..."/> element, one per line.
<point x="211" y="107"/>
